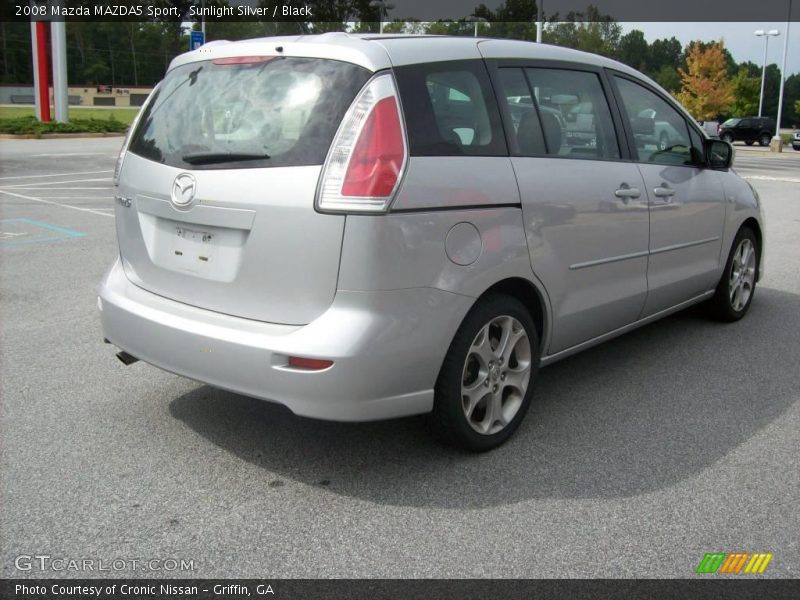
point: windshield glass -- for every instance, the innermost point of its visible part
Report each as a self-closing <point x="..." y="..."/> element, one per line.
<point x="247" y="112"/>
<point x="731" y="122"/>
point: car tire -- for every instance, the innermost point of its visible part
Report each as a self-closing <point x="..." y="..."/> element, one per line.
<point x="736" y="288"/>
<point x="763" y="140"/>
<point x="726" y="137"/>
<point x="749" y="142"/>
<point x="484" y="389"/>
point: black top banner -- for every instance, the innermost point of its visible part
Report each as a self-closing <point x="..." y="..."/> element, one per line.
<point x="326" y="11"/>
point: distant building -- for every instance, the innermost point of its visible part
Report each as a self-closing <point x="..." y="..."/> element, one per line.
<point x="97" y="95"/>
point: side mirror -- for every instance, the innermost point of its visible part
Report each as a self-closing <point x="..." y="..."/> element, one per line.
<point x="719" y="154"/>
<point x="643" y="125"/>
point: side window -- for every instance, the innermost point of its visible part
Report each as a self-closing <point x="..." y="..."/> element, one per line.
<point x="660" y="132"/>
<point x="450" y="110"/>
<point x="527" y="130"/>
<point x="574" y="113"/>
<point x="745" y="124"/>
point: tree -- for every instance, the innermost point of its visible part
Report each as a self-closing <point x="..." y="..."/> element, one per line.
<point x="633" y="50"/>
<point x="668" y="78"/>
<point x="706" y="91"/>
<point x="745" y="93"/>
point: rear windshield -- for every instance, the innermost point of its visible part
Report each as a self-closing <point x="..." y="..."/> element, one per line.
<point x="268" y="112"/>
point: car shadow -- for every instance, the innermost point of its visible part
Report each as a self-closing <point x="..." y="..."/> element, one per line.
<point x="630" y="416"/>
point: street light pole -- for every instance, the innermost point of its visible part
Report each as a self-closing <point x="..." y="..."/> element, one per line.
<point x="384" y="8"/>
<point x="777" y="144"/>
<point x="539" y="19"/>
<point x="476" y="20"/>
<point x="766" y="35"/>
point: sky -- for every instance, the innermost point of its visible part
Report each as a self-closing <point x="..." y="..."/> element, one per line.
<point x="739" y="39"/>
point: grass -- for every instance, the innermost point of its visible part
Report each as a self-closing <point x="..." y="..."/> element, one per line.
<point x="29" y="125"/>
<point x="121" y="115"/>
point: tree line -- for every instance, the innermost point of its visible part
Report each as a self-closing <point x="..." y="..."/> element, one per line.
<point x="138" y="53"/>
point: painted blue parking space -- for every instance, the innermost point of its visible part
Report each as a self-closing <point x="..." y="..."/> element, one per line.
<point x="22" y="231"/>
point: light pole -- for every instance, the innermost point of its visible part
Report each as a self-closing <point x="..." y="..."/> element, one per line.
<point x="777" y="145"/>
<point x="477" y="21"/>
<point x="384" y="8"/>
<point x="766" y="35"/>
<point x="539" y="19"/>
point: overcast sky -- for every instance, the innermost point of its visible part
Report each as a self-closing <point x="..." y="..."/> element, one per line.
<point x="739" y="39"/>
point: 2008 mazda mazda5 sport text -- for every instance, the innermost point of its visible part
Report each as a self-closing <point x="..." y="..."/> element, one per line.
<point x="367" y="227"/>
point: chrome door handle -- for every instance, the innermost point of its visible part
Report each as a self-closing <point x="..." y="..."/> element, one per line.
<point x="627" y="192"/>
<point x="664" y="192"/>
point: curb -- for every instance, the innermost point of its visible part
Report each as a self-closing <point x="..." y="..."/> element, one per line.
<point x="57" y="136"/>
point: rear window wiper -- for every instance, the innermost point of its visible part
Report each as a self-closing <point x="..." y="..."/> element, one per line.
<point x="205" y="158"/>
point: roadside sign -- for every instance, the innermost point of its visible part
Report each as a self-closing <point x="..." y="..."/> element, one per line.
<point x="196" y="39"/>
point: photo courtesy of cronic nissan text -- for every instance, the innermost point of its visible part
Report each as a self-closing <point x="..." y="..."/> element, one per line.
<point x="399" y="299"/>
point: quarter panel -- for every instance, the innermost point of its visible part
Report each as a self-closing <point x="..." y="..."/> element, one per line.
<point x="408" y="250"/>
<point x="455" y="181"/>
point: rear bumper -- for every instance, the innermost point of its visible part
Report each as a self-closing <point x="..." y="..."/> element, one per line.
<point x="387" y="348"/>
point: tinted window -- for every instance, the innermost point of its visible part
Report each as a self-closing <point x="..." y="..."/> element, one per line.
<point x="450" y="110"/>
<point x="526" y="135"/>
<point x="574" y="113"/>
<point x="746" y="123"/>
<point x="285" y="108"/>
<point x="660" y="132"/>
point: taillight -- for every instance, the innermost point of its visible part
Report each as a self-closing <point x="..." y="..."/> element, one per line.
<point x="368" y="154"/>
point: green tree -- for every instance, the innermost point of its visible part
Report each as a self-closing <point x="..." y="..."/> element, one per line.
<point x="745" y="93"/>
<point x="634" y="50"/>
<point x="669" y="78"/>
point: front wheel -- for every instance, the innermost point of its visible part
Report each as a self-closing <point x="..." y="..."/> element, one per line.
<point x="735" y="290"/>
<point x="727" y="137"/>
<point x="486" y="382"/>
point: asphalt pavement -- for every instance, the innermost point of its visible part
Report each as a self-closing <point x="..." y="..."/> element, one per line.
<point x="637" y="457"/>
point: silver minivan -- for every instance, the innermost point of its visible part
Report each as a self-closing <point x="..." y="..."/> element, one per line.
<point x="368" y="227"/>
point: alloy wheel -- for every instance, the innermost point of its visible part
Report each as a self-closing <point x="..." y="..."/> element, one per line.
<point x="743" y="275"/>
<point x="496" y="375"/>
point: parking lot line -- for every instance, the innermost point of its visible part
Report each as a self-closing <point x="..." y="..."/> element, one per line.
<point x="55" y="175"/>
<point x="24" y="197"/>
<point x="45" y="183"/>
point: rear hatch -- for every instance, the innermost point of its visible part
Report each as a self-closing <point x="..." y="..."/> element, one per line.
<point x="216" y="191"/>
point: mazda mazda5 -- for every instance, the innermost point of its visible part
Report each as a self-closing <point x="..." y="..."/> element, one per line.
<point x="368" y="227"/>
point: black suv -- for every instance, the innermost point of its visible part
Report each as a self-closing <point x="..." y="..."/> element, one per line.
<point x="748" y="130"/>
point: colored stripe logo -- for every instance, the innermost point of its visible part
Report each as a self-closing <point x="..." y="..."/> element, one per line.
<point x="734" y="562"/>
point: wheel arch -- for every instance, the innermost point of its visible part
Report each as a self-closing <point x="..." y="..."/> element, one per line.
<point x="531" y="297"/>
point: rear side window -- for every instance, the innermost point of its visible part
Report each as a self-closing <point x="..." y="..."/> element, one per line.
<point x="574" y="113"/>
<point x="247" y="112"/>
<point x="450" y="109"/>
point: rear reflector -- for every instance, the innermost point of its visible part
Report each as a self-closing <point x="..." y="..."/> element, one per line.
<point x="368" y="155"/>
<point x="241" y="60"/>
<point x="309" y="364"/>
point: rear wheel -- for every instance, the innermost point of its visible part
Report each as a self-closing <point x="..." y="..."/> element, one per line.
<point x="485" y="385"/>
<point x="735" y="290"/>
<point x="763" y="139"/>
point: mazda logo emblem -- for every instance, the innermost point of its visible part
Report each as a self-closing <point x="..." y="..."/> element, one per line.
<point x="183" y="190"/>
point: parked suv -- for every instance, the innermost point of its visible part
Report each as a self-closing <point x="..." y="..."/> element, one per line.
<point x="371" y="227"/>
<point x="748" y="130"/>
